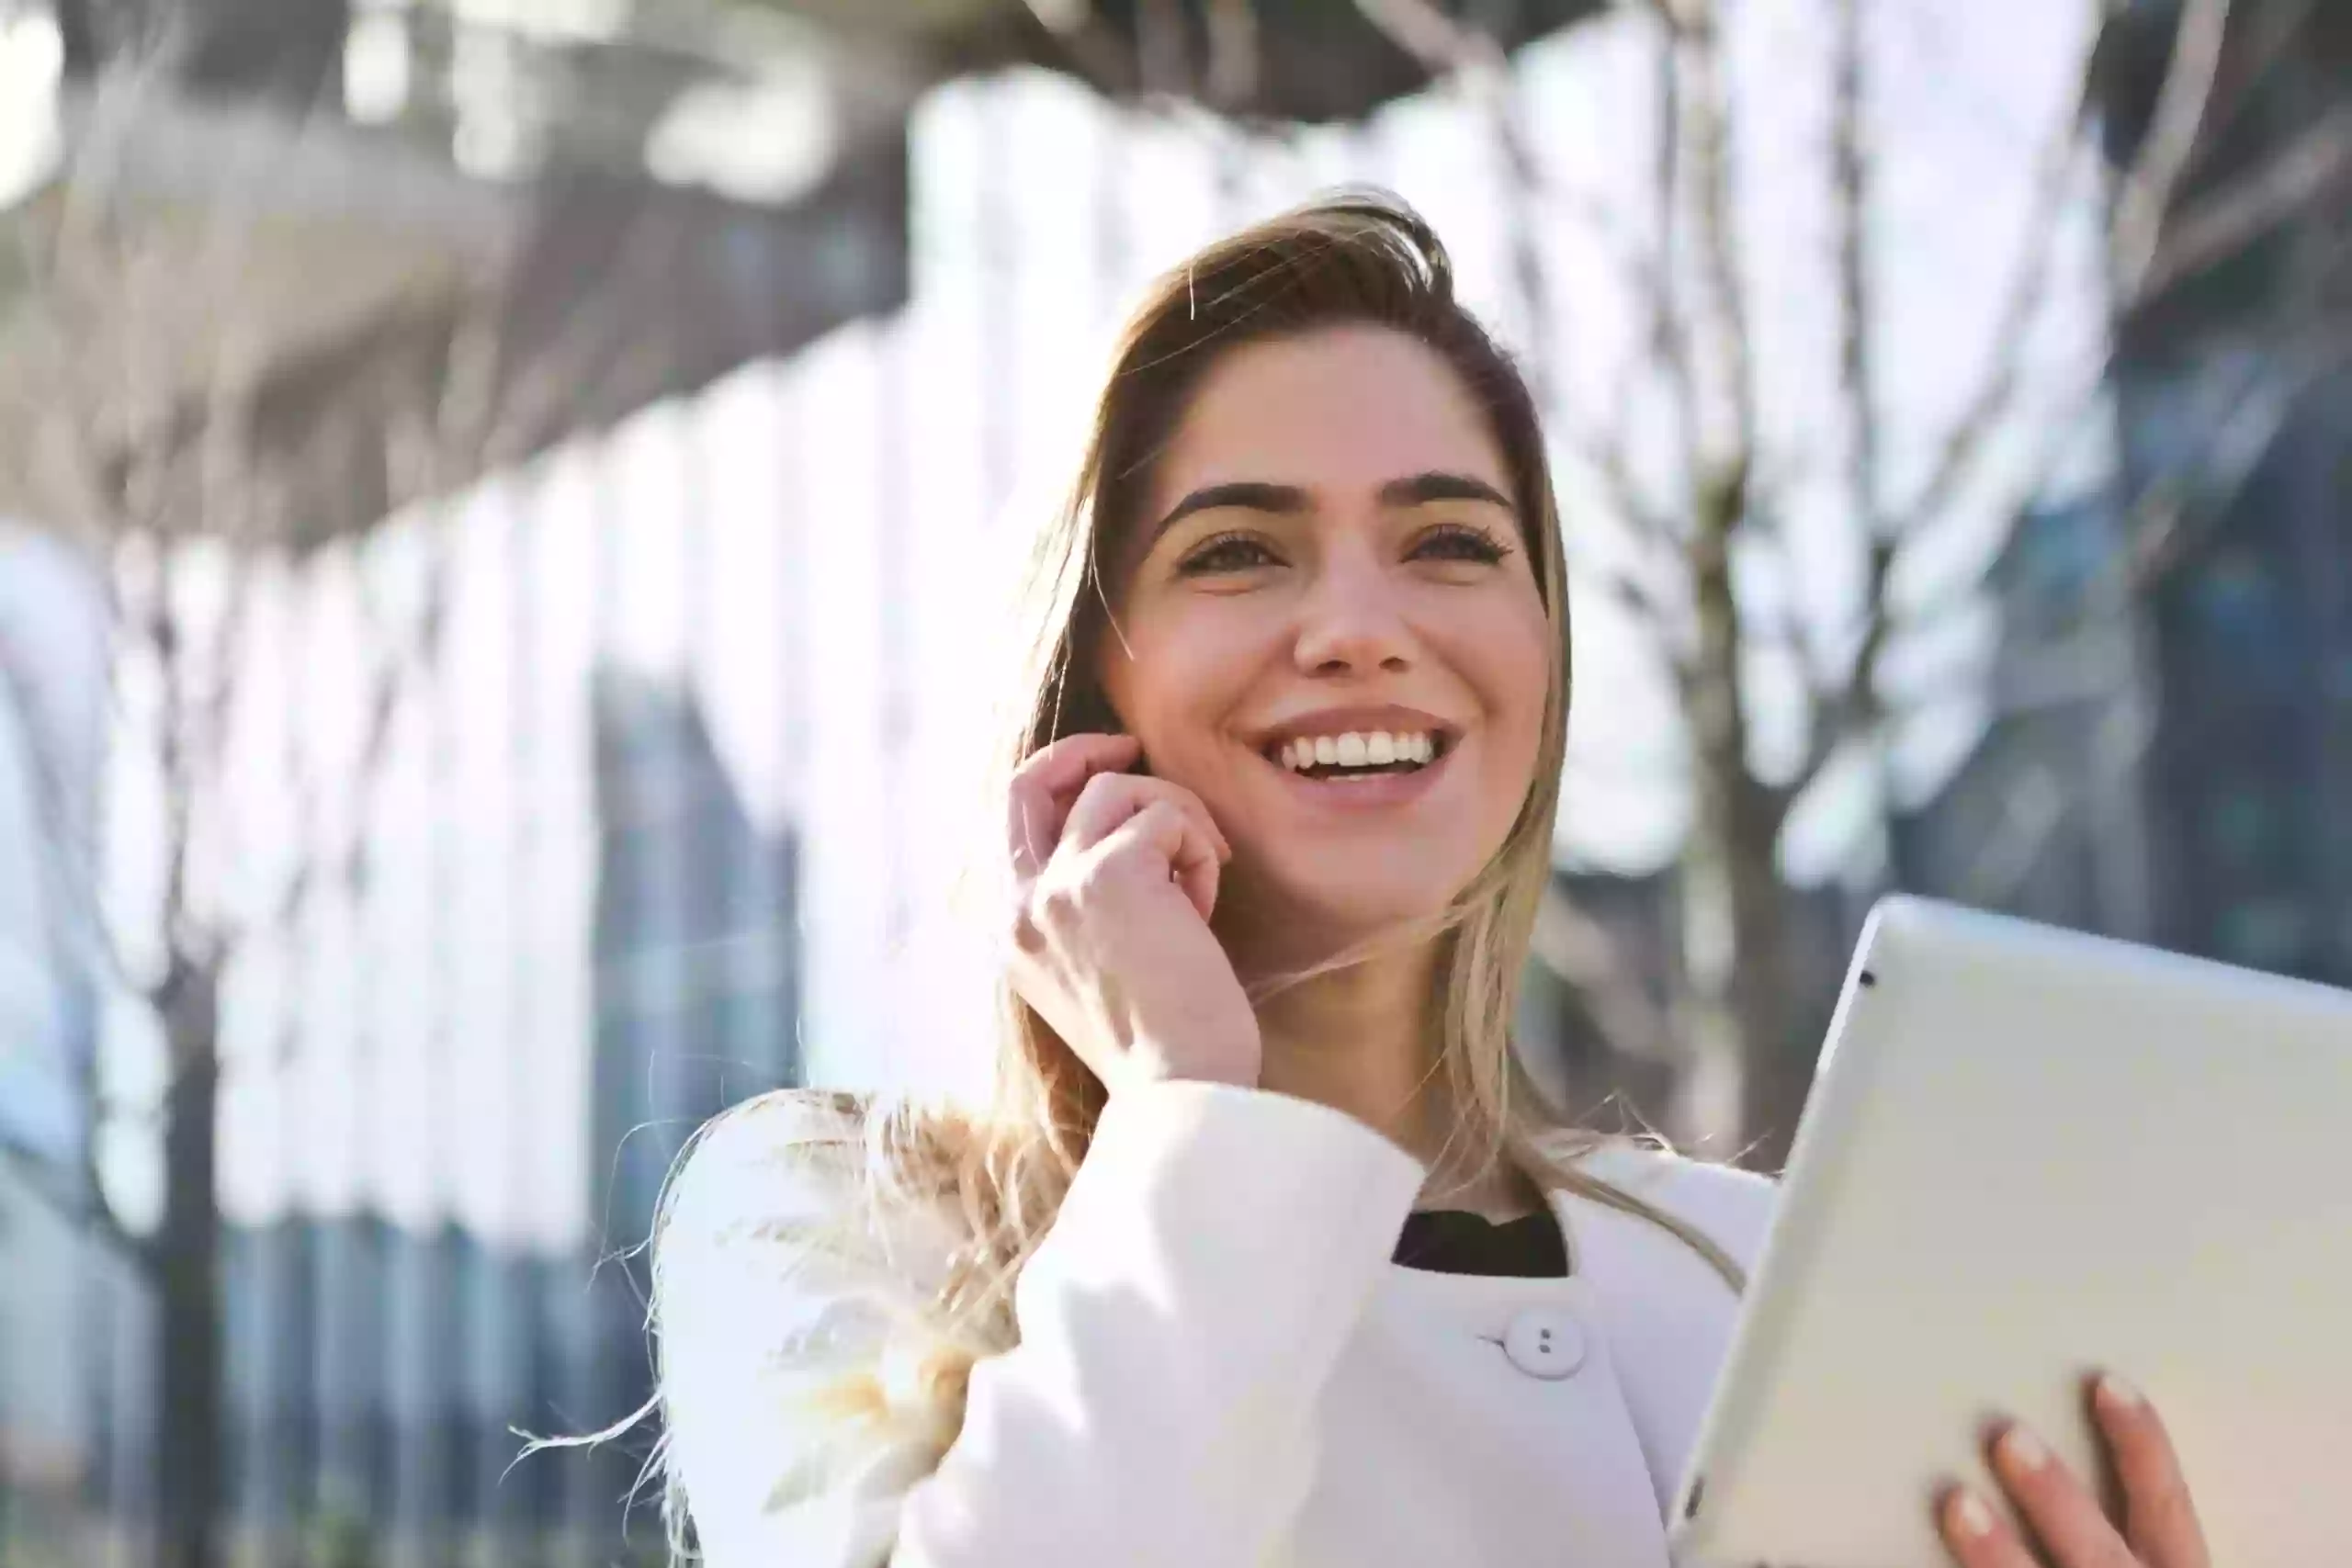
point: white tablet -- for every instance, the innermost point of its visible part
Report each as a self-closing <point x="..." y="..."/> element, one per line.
<point x="2030" y="1153"/>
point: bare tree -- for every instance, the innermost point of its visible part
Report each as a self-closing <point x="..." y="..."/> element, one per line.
<point x="199" y="437"/>
<point x="1740" y="1011"/>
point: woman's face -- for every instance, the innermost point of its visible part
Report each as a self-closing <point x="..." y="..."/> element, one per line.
<point x="1329" y="628"/>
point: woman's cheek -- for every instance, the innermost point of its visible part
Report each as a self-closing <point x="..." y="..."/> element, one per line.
<point x="1518" y="705"/>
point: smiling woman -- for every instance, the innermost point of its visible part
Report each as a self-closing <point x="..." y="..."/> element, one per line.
<point x="1277" y="817"/>
<point x="1265" y="1250"/>
<point x="1337" y="560"/>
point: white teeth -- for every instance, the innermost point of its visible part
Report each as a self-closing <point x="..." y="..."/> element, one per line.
<point x="1366" y="749"/>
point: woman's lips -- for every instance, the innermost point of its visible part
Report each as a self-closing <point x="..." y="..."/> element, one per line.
<point x="1364" y="792"/>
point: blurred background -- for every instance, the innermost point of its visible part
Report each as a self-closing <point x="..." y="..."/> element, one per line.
<point x="502" y="507"/>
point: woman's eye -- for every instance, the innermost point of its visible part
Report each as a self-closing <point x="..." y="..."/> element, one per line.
<point x="1233" y="552"/>
<point x="1455" y="542"/>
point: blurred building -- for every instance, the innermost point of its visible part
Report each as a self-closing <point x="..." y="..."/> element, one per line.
<point x="2253" y="761"/>
<point x="378" y="1371"/>
<point x="58" y="1277"/>
<point x="2046" y="818"/>
<point x="2171" y="740"/>
<point x="652" y="196"/>
<point x="698" y="986"/>
<point x="696" y="998"/>
<point x="688" y="752"/>
<point x="424" y="173"/>
<point x="2250" y="618"/>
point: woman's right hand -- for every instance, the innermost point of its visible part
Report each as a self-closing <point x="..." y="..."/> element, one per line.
<point x="1115" y="875"/>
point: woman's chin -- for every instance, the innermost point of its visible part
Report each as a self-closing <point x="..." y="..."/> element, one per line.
<point x="1294" y="924"/>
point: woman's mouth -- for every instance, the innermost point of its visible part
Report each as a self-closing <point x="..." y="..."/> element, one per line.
<point x="1358" y="754"/>
<point x="1361" y="770"/>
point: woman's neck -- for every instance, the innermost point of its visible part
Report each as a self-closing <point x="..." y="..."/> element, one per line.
<point x="1364" y="1040"/>
<point x="1360" y="1040"/>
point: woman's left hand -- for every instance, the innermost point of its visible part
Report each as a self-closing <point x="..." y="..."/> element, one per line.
<point x="2158" y="1529"/>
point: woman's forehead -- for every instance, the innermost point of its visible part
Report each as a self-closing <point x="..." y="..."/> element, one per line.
<point x="1340" y="410"/>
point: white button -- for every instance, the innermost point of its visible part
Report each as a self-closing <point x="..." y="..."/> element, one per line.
<point x="1544" y="1342"/>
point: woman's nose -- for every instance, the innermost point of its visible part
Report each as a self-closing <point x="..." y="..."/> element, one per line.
<point x="1351" y="623"/>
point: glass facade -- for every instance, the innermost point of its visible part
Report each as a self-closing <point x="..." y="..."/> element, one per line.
<point x="2251" y="629"/>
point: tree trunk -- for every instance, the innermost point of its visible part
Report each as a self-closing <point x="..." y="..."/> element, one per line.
<point x="1750" y="1079"/>
<point x="1776" y="1069"/>
<point x="1744" y="1081"/>
<point x="190" y="1430"/>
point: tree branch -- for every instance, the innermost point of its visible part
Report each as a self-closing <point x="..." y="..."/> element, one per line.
<point x="2226" y="222"/>
<point x="160" y="624"/>
<point x="1668" y="333"/>
<point x="388" y="680"/>
<point x="1668" y="627"/>
<point x="1607" y="461"/>
<point x="1850" y="204"/>
<point x="1427" y="33"/>
<point x="2159" y="529"/>
<point x="1971" y="433"/>
<point x="2144" y="196"/>
<point x="2154" y="526"/>
<point x="1706" y="97"/>
<point x="215" y="717"/>
<point x="2148" y="191"/>
<point x="1844" y="710"/>
<point x="1093" y="47"/>
<point x="1851" y="706"/>
<point x="2165" y="520"/>
<point x="1783" y="630"/>
<point x="1585" y="956"/>
<point x="1444" y="48"/>
<point x="2032" y="809"/>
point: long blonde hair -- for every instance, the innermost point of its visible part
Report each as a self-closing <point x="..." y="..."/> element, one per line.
<point x="1001" y="1174"/>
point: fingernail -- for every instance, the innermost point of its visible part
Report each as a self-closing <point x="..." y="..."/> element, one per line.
<point x="2023" y="1450"/>
<point x="2119" y="1396"/>
<point x="1971" y="1517"/>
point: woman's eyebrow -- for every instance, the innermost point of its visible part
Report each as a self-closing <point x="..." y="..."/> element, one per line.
<point x="1248" y="495"/>
<point x="1423" y="488"/>
<point x="1257" y="495"/>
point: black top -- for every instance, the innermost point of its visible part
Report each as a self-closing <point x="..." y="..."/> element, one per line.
<point x="1455" y="1241"/>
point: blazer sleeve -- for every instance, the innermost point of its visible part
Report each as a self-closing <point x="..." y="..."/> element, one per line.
<point x="1176" y="1329"/>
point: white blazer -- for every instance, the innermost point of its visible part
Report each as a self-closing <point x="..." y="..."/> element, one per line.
<point x="1218" y="1362"/>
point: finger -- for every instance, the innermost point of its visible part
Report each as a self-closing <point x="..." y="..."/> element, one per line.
<point x="1170" y="836"/>
<point x="2159" y="1517"/>
<point x="1197" y="863"/>
<point x="1046" y="783"/>
<point x="1109" y="799"/>
<point x="2057" y="1506"/>
<point x="1977" y="1535"/>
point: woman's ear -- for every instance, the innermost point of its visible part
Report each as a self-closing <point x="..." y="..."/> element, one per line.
<point x="1104" y="719"/>
<point x="1094" y="712"/>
